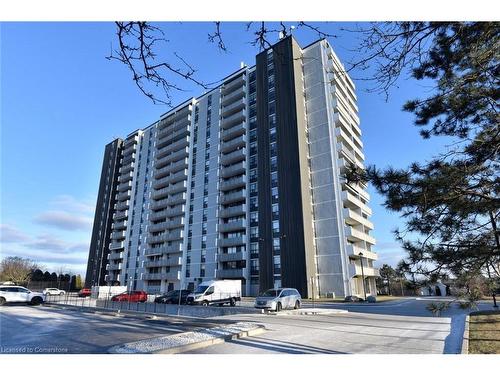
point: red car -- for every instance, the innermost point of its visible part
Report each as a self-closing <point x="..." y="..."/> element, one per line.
<point x="84" y="293"/>
<point x="137" y="296"/>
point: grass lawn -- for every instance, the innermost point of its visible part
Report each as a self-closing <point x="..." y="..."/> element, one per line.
<point x="484" y="333"/>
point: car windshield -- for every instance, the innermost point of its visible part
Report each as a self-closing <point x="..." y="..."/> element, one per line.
<point x="271" y="293"/>
<point x="201" y="289"/>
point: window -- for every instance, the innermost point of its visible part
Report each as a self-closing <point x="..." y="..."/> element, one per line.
<point x="202" y="270"/>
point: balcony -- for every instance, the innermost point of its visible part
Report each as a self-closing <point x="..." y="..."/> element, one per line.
<point x="127" y="168"/>
<point x="233" y="183"/>
<point x="171" y="179"/>
<point x="353" y="252"/>
<point x="171" y="201"/>
<point x="237" y="196"/>
<point x="236" y="225"/>
<point x="233" y="96"/>
<point x="125" y="186"/>
<point x="117" y="225"/>
<point x="167" y="249"/>
<point x="177" y="145"/>
<point x="345" y="152"/>
<point x="116" y="245"/>
<point x="233" y="144"/>
<point x="172" y="212"/>
<point x="165" y="156"/>
<point x="355" y="270"/>
<point x="170" y="224"/>
<point x="232" y="132"/>
<point x="123" y="195"/>
<point x="233" y="211"/>
<point x="354" y="218"/>
<point x="128" y="159"/>
<point x="232" y="273"/>
<point x="172" y="262"/>
<point x="129" y="150"/>
<point x="123" y="205"/>
<point x="169" y="134"/>
<point x="352" y="201"/>
<point x="233" y="241"/>
<point x="355" y="235"/>
<point x="162" y="171"/>
<point x="120" y="215"/>
<point x="234" y="119"/>
<point x="234" y="169"/>
<point x="232" y="108"/>
<point x="233" y="156"/>
<point x="172" y="188"/>
<point x="120" y="235"/>
<point x="233" y="85"/>
<point x="231" y="257"/>
<point x="115" y="256"/>
<point x="114" y="266"/>
<point x="172" y="275"/>
<point x="172" y="236"/>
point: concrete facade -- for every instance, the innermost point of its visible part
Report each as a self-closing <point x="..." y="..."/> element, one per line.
<point x="245" y="182"/>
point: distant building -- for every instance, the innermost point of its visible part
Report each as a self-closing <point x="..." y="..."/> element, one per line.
<point x="243" y="182"/>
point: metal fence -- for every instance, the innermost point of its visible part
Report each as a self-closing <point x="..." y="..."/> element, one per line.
<point x="105" y="303"/>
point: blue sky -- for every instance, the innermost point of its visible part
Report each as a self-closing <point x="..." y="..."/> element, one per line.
<point x="62" y="101"/>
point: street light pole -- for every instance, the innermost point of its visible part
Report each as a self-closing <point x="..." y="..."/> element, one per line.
<point x="362" y="273"/>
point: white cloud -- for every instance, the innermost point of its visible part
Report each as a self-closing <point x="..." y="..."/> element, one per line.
<point x="9" y="234"/>
<point x="64" y="220"/>
<point x="70" y="203"/>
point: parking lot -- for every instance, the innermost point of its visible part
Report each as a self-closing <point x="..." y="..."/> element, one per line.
<point x="402" y="326"/>
<point x="42" y="329"/>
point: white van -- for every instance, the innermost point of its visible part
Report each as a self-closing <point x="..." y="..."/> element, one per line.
<point x="216" y="292"/>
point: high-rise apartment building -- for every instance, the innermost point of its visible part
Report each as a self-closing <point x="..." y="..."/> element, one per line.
<point x="245" y="182"/>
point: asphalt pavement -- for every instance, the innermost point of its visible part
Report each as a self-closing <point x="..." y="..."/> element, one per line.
<point x="43" y="329"/>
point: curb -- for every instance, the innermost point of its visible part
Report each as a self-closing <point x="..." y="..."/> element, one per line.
<point x="173" y="343"/>
<point x="465" y="339"/>
<point x="204" y="344"/>
<point x="309" y="312"/>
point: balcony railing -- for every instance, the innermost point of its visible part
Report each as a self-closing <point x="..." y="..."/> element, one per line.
<point x="237" y="106"/>
<point x="172" y="262"/>
<point x="233" y="144"/>
<point x="233" y="156"/>
<point x="233" y="226"/>
<point x="238" y="210"/>
<point x="233" y="183"/>
<point x="231" y="257"/>
<point x="233" y="241"/>
<point x="172" y="275"/>
<point x="115" y="256"/>
<point x="237" y="196"/>
<point x="229" y="273"/>
<point x="234" y="169"/>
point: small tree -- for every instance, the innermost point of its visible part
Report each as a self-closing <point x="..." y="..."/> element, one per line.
<point x="17" y="269"/>
<point x="387" y="274"/>
<point x="79" y="283"/>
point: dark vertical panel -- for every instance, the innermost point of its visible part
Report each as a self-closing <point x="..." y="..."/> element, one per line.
<point x="293" y="257"/>
<point x="264" y="179"/>
<point x="99" y="244"/>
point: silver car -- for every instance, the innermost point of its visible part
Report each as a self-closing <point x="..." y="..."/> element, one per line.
<point x="277" y="299"/>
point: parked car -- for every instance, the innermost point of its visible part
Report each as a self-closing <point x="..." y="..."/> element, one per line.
<point x="277" y="299"/>
<point x="53" y="292"/>
<point x="216" y="292"/>
<point x="353" y="299"/>
<point x="134" y="296"/>
<point x="84" y="292"/>
<point x="173" y="297"/>
<point x="20" y="294"/>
